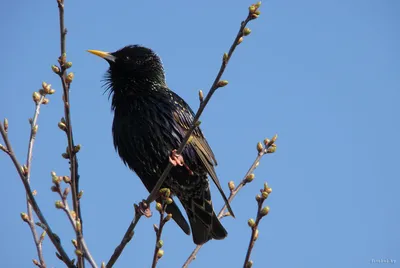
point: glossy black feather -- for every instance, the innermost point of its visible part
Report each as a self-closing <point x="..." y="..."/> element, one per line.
<point x="149" y="122"/>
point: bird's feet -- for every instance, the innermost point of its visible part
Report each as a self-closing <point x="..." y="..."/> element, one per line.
<point x="177" y="160"/>
<point x="143" y="209"/>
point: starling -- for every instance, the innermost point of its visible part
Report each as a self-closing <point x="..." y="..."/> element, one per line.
<point x="150" y="121"/>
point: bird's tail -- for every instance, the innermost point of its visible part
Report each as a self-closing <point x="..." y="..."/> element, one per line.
<point x="203" y="221"/>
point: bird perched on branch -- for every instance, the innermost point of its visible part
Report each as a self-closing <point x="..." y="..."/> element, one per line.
<point x="150" y="121"/>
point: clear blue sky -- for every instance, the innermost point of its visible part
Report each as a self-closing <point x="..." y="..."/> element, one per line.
<point x="324" y="75"/>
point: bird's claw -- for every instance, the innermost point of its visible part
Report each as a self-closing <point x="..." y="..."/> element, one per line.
<point x="177" y="160"/>
<point x="143" y="209"/>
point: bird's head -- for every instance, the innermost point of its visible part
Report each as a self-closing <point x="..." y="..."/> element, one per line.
<point x="132" y="68"/>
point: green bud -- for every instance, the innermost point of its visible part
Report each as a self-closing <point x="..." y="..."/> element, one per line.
<point x="251" y="223"/>
<point x="68" y="65"/>
<point x="264" y="211"/>
<point x="160" y="253"/>
<point x="168" y="217"/>
<point x="264" y="195"/>
<point x="222" y="83"/>
<point x="250" y="177"/>
<point x="246" y="31"/>
<point x="260" y="147"/>
<point x="55" y="69"/>
<point x="169" y="201"/>
<point x="159" y="207"/>
<point x="59" y="204"/>
<point x="160" y="243"/>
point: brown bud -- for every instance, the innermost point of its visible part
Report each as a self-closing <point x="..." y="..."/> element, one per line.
<point x="66" y="192"/>
<point x="78" y="225"/>
<point x="274" y="138"/>
<point x="201" y="96"/>
<point x="260" y="147"/>
<point x="269" y="190"/>
<point x="266" y="141"/>
<point x="66" y="179"/>
<point x="225" y="57"/>
<point x="249" y="264"/>
<point x="54" y="188"/>
<point x="73" y="214"/>
<point x="231" y="185"/>
<point x="24" y="217"/>
<point x="254" y="16"/>
<point x="65" y="155"/>
<point x="36" y="262"/>
<point x="45" y="101"/>
<point x="51" y="91"/>
<point x="34" y="192"/>
<point x="5" y="124"/>
<point x="255" y="235"/>
<point x="258" y="197"/>
<point x="80" y="194"/>
<point x="77" y="148"/>
<point x="155" y="228"/>
<point x="168" y="217"/>
<point x="35" y="129"/>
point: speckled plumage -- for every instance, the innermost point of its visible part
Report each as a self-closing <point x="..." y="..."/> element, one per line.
<point x="150" y="121"/>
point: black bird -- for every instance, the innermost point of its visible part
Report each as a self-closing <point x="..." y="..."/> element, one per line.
<point x="150" y="120"/>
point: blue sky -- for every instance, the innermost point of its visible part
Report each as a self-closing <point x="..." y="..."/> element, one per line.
<point x="324" y="75"/>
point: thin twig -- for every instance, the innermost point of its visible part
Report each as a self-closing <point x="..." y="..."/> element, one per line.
<point x="66" y="81"/>
<point x="261" y="212"/>
<point x="76" y="225"/>
<point x="31" y="222"/>
<point x="125" y="240"/>
<point x="203" y="103"/>
<point x="261" y="152"/>
<point x="53" y="237"/>
<point x="161" y="207"/>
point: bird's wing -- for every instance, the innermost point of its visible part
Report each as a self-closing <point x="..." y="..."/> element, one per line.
<point x="184" y="117"/>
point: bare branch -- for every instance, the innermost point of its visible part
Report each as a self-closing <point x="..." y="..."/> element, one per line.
<point x="31" y="221"/>
<point x="53" y="237"/>
<point x="161" y="208"/>
<point x="261" y="212"/>
<point x="270" y="147"/>
<point x="66" y="80"/>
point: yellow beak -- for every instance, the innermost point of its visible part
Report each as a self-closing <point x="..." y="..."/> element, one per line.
<point x="105" y="55"/>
